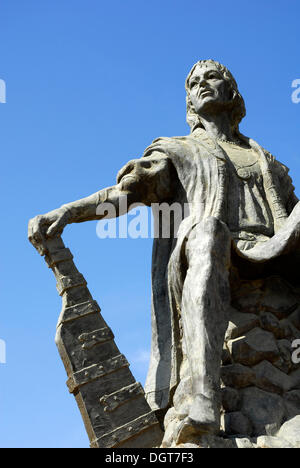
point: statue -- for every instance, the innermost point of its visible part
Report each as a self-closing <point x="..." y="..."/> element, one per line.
<point x="243" y="224"/>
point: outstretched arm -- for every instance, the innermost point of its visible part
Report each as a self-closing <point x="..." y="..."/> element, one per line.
<point x="144" y="180"/>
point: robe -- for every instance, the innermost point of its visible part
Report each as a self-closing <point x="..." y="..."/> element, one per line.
<point x="201" y="181"/>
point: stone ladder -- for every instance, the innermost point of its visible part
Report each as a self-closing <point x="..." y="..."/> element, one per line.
<point x="112" y="404"/>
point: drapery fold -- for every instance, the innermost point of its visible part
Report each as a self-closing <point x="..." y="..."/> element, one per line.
<point x="202" y="183"/>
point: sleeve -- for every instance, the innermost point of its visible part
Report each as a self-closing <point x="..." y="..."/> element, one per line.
<point x="150" y="177"/>
<point x="287" y="188"/>
<point x="291" y="202"/>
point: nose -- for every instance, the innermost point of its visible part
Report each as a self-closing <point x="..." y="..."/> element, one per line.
<point x="202" y="81"/>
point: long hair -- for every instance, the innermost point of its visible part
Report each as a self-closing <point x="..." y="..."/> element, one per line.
<point x="238" y="109"/>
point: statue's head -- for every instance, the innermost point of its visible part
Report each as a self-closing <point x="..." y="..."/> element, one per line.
<point x="210" y="87"/>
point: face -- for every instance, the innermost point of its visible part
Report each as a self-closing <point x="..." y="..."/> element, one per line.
<point x="209" y="91"/>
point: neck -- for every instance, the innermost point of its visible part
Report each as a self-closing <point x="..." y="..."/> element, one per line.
<point x="217" y="126"/>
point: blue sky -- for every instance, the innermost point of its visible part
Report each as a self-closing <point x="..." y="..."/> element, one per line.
<point x="90" y="84"/>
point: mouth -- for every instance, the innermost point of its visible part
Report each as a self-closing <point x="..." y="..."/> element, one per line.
<point x="205" y="92"/>
<point x="128" y="176"/>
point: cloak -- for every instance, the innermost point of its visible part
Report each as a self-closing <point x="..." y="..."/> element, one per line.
<point x="202" y="175"/>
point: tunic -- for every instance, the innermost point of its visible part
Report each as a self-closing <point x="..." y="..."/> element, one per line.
<point x="249" y="216"/>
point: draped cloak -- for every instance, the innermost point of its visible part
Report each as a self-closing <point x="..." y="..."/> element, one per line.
<point x="202" y="183"/>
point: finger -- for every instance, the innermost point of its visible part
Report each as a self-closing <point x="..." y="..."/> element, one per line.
<point x="30" y="233"/>
<point x="32" y="229"/>
<point x="37" y="229"/>
<point x="125" y="170"/>
<point x="54" y="228"/>
<point x="34" y="234"/>
<point x="38" y="245"/>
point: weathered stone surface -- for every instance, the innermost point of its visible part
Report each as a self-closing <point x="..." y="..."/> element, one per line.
<point x="248" y="296"/>
<point x="290" y="431"/>
<point x="280" y="300"/>
<point x="182" y="398"/>
<point x="226" y="356"/>
<point x="121" y="436"/>
<point x="295" y="318"/>
<point x="112" y="404"/>
<point x="236" y="257"/>
<point x="295" y="379"/>
<point x="262" y="409"/>
<point x="240" y="323"/>
<point x="254" y="347"/>
<point x="293" y="397"/>
<point x="210" y="441"/>
<point x="170" y="416"/>
<point x="292" y="403"/>
<point x="288" y="329"/>
<point x="271" y="379"/>
<point x="237" y="376"/>
<point x="284" y="362"/>
<point x="188" y="445"/>
<point x="270" y="295"/>
<point x="230" y="399"/>
<point x="236" y="423"/>
<point x="240" y="442"/>
<point x="120" y="397"/>
<point x="271" y="323"/>
<point x="171" y="422"/>
<point x="272" y="442"/>
<point x="244" y="442"/>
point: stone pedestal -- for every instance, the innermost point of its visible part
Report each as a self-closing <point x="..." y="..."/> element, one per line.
<point x="260" y="383"/>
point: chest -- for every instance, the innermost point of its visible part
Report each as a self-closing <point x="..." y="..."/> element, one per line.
<point x="243" y="165"/>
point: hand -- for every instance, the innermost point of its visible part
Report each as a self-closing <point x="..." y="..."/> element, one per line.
<point x="47" y="225"/>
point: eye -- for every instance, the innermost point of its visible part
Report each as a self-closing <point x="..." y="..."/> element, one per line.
<point x="193" y="83"/>
<point x="213" y="75"/>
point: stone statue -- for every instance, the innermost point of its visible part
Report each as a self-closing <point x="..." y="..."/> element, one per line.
<point x="242" y="226"/>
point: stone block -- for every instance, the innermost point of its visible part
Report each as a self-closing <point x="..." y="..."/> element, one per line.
<point x="255" y="346"/>
<point x="293" y="397"/>
<point x="271" y="323"/>
<point x="270" y="378"/>
<point x="289" y="330"/>
<point x="226" y="356"/>
<point x="290" y="431"/>
<point x="292" y="403"/>
<point x="212" y="441"/>
<point x="295" y="318"/>
<point x="240" y="323"/>
<point x="237" y="376"/>
<point x="244" y="442"/>
<point x="230" y="399"/>
<point x="278" y="297"/>
<point x="284" y="362"/>
<point x="236" y="423"/>
<point x="262" y="409"/>
<point x="248" y="296"/>
<point x="272" y="442"/>
<point x="295" y="379"/>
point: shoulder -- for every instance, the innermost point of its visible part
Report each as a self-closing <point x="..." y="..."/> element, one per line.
<point x="277" y="166"/>
<point x="166" y="145"/>
<point x="281" y="169"/>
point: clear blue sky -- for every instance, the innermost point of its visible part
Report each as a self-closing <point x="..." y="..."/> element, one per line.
<point x="90" y="83"/>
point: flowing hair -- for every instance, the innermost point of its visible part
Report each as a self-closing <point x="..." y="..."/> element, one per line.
<point x="237" y="104"/>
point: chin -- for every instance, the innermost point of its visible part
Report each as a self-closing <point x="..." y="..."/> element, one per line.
<point x="206" y="104"/>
